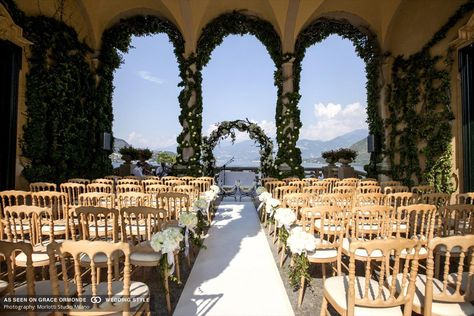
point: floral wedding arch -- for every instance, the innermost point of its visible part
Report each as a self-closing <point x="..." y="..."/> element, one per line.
<point x="226" y="129"/>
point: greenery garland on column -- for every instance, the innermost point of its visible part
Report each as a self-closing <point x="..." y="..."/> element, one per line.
<point x="238" y="23"/>
<point x="226" y="129"/>
<point x="420" y="115"/>
<point x="61" y="134"/>
<point x="118" y="37"/>
<point x="367" y="48"/>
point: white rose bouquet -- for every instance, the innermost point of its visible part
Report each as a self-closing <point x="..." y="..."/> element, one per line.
<point x="167" y="242"/>
<point x="285" y="217"/>
<point x="260" y="190"/>
<point x="214" y="188"/>
<point x="270" y="206"/>
<point x="300" y="241"/>
<point x="189" y="221"/>
<point x="200" y="204"/>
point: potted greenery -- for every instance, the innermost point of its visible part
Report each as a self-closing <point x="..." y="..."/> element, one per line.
<point x="329" y="156"/>
<point x="129" y="153"/>
<point x="144" y="154"/>
<point x="346" y="155"/>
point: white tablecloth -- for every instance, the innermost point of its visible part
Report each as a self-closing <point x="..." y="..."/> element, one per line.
<point x="231" y="177"/>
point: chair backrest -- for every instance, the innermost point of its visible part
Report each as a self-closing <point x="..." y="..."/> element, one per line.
<point x="99" y="199"/>
<point x="187" y="179"/>
<point x="133" y="178"/>
<point x="290" y="179"/>
<point x="166" y="178"/>
<point x="201" y="185"/>
<point x="42" y="186"/>
<point x="150" y="177"/>
<point x="328" y="223"/>
<point x="72" y="253"/>
<point x="423" y="189"/>
<point x="280" y="192"/>
<point x="395" y="189"/>
<point x="174" y="182"/>
<point x="454" y="220"/>
<point x="401" y="199"/>
<point x="439" y="199"/>
<point x="104" y="181"/>
<point x="296" y="201"/>
<point x="338" y="199"/>
<point x="95" y="223"/>
<point x="56" y="201"/>
<point x="299" y="184"/>
<point x="122" y="188"/>
<point x="344" y="189"/>
<point x="267" y="179"/>
<point x="370" y="221"/>
<point x="317" y="188"/>
<point x="465" y="198"/>
<point x="380" y="289"/>
<point x="310" y="181"/>
<point x="368" y="199"/>
<point x="127" y="199"/>
<point x="79" y="180"/>
<point x="385" y="184"/>
<point x="128" y="181"/>
<point x="271" y="185"/>
<point x="174" y="203"/>
<point x="149" y="182"/>
<point x="368" y="189"/>
<point x="9" y="250"/>
<point x="113" y="177"/>
<point x="190" y="190"/>
<point x="331" y="182"/>
<point x="414" y="221"/>
<point x="365" y="183"/>
<point x="139" y="223"/>
<point x="72" y="190"/>
<point x="15" y="197"/>
<point x="208" y="179"/>
<point x="100" y="187"/>
<point x="456" y="285"/>
<point x="350" y="181"/>
<point x="25" y="223"/>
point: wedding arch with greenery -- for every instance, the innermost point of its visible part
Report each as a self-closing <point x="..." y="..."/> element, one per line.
<point x="226" y="129"/>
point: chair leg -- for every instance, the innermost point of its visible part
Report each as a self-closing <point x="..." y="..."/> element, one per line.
<point x="300" y="297"/>
<point x="275" y="233"/>
<point x="98" y="274"/>
<point x="282" y="256"/>
<point x="178" y="271"/>
<point x="167" y="291"/>
<point x="323" y="268"/>
<point x="324" y="307"/>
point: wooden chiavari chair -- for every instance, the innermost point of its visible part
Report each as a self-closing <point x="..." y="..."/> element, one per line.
<point x="187" y="179"/>
<point x="331" y="181"/>
<point x="364" y="199"/>
<point x="123" y="188"/>
<point x="350" y="181"/>
<point x="128" y="181"/>
<point x="174" y="203"/>
<point x="310" y="181"/>
<point x="280" y="192"/>
<point x="344" y="189"/>
<point x="452" y="292"/>
<point x="423" y="189"/>
<point x="375" y="292"/>
<point x="267" y="179"/>
<point x="104" y="255"/>
<point x="365" y="183"/>
<point x="465" y="198"/>
<point x="385" y="184"/>
<point x="43" y="186"/>
<point x="57" y="203"/>
<point x="99" y="199"/>
<point x="190" y="190"/>
<point x="317" y="188"/>
<point x="299" y="184"/>
<point x="438" y="199"/>
<point x="110" y="182"/>
<point x="100" y="187"/>
<point x="175" y="182"/>
<point x="10" y="198"/>
<point x="395" y="189"/>
<point x="401" y="199"/>
<point x="290" y="179"/>
<point x="166" y="178"/>
<point x="368" y="189"/>
<point x="128" y="199"/>
<point x="201" y="185"/>
<point x="72" y="190"/>
<point x="271" y="185"/>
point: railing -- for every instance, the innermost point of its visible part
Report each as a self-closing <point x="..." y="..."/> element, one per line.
<point x="308" y="171"/>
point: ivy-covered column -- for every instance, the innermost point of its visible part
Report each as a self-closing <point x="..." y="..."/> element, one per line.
<point x="288" y="160"/>
<point x="190" y="100"/>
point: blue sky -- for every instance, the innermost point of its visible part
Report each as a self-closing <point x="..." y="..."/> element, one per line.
<point x="237" y="84"/>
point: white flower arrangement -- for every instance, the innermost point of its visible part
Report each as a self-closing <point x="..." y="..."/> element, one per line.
<point x="200" y="204"/>
<point x="209" y="196"/>
<point x="188" y="220"/>
<point x="167" y="241"/>
<point x="214" y="188"/>
<point x="270" y="205"/>
<point x="260" y="190"/>
<point x="300" y="241"/>
<point x="285" y="217"/>
<point x="264" y="196"/>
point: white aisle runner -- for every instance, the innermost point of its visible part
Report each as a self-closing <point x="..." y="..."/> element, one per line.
<point x="236" y="274"/>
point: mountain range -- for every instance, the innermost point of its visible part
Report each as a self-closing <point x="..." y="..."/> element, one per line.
<point x="246" y="153"/>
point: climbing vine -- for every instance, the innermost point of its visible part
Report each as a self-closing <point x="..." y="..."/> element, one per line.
<point x="420" y="115"/>
<point x="226" y="129"/>
<point x="367" y="48"/>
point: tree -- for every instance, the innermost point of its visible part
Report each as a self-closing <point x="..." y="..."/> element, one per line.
<point x="167" y="157"/>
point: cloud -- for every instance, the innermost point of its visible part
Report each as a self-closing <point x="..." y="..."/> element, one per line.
<point x="268" y="127"/>
<point x="146" y="75"/>
<point x="138" y="140"/>
<point x="334" y="120"/>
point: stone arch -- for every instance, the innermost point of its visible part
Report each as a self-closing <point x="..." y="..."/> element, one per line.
<point x="226" y="129"/>
<point x="118" y="37"/>
<point x="367" y="48"/>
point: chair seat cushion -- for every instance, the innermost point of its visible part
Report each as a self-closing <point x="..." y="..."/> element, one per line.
<point x="58" y="228"/>
<point x="453" y="279"/>
<point x="39" y="258"/>
<point x="3" y="286"/>
<point x="98" y="258"/>
<point x="323" y="254"/>
<point x="337" y="291"/>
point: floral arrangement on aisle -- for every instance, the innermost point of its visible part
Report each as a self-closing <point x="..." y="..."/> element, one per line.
<point x="300" y="243"/>
<point x="167" y="242"/>
<point x="270" y="206"/>
<point x="284" y="218"/>
<point x="189" y="222"/>
<point x="260" y="190"/>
